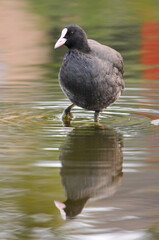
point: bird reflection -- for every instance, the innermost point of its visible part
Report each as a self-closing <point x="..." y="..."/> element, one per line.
<point x="91" y="167"/>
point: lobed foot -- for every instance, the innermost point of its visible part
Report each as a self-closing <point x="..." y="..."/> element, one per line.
<point x="67" y="115"/>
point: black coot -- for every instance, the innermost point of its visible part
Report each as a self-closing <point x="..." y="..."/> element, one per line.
<point x="91" y="75"/>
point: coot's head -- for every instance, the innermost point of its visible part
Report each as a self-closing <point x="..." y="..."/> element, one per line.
<point x="71" y="208"/>
<point x="74" y="37"/>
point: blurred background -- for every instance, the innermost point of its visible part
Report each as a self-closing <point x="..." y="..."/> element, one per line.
<point x="107" y="177"/>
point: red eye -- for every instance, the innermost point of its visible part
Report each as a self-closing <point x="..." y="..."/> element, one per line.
<point x="71" y="33"/>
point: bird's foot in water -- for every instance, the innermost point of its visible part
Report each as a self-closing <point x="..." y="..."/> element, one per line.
<point x="67" y="116"/>
<point x="98" y="125"/>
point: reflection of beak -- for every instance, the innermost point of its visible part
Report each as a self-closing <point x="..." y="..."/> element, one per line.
<point x="61" y="206"/>
<point x="60" y="42"/>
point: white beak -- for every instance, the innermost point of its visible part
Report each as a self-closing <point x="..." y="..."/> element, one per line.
<point x="61" y="40"/>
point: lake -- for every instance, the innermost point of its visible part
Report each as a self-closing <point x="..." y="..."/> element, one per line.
<point x="106" y="176"/>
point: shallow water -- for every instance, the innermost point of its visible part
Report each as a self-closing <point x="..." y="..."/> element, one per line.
<point x="109" y="173"/>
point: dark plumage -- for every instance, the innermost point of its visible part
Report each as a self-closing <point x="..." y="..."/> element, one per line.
<point x="91" y="75"/>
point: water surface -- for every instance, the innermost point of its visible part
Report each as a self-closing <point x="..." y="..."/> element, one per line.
<point x="107" y="176"/>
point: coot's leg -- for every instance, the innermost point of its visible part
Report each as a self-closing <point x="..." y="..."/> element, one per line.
<point x="96" y="115"/>
<point x="67" y="115"/>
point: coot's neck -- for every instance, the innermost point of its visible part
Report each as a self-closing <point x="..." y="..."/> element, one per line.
<point x="81" y="46"/>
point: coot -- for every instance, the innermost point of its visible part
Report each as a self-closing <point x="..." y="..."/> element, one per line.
<point x="91" y="75"/>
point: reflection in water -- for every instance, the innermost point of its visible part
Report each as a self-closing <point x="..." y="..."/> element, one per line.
<point x="91" y="167"/>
